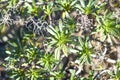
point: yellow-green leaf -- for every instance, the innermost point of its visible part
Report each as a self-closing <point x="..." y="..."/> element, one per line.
<point x="64" y="49"/>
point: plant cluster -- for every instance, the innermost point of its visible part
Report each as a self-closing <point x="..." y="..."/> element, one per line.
<point x="60" y="39"/>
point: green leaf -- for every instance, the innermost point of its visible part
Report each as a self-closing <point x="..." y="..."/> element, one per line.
<point x="7" y="59"/>
<point x="8" y="52"/>
<point x="80" y="41"/>
<point x="73" y="3"/>
<point x="57" y="53"/>
<point x="60" y="26"/>
<point x="64" y="49"/>
<point x="72" y="50"/>
<point x="30" y="9"/>
<point x="63" y="15"/>
<point x="14" y="44"/>
<point x="82" y="3"/>
<point x="72" y="74"/>
<point x="51" y="30"/>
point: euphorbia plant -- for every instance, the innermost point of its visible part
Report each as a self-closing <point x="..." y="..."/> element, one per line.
<point x="66" y="6"/>
<point x="108" y="26"/>
<point x="59" y="38"/>
<point x="84" y="50"/>
<point x="87" y="7"/>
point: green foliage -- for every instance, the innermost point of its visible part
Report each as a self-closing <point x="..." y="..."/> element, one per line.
<point x="48" y="32"/>
<point x="108" y="25"/>
<point x="56" y="75"/>
<point x="66" y="6"/>
<point x="23" y="60"/>
<point x="47" y="61"/>
<point x="60" y="37"/>
<point x="85" y="50"/>
<point x="48" y="9"/>
<point x="116" y="74"/>
<point x="87" y="7"/>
